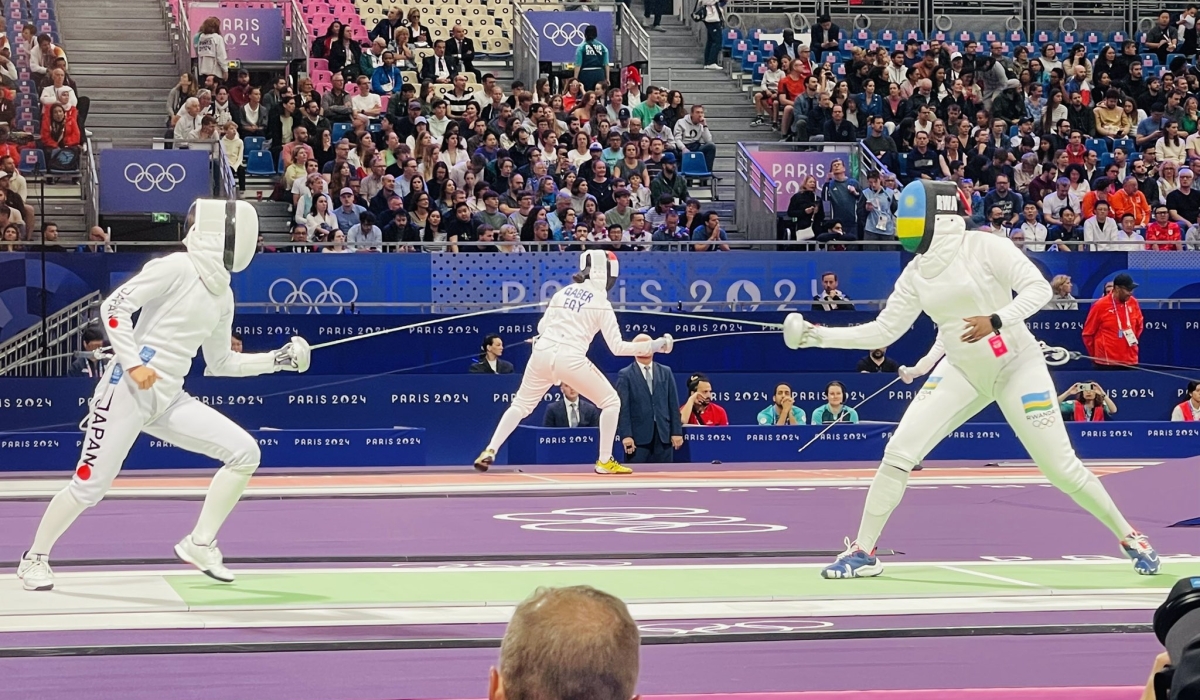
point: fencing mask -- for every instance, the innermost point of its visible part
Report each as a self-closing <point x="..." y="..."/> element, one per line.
<point x="600" y="268"/>
<point x="921" y="203"/>
<point x="222" y="237"/>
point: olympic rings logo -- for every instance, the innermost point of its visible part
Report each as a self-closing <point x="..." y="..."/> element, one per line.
<point x="638" y="520"/>
<point x="749" y="627"/>
<point x="567" y="33"/>
<point x="313" y="292"/>
<point x="154" y="176"/>
<point x="1045" y="419"/>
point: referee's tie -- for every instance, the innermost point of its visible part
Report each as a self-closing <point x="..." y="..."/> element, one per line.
<point x="646" y="369"/>
<point x="573" y="419"/>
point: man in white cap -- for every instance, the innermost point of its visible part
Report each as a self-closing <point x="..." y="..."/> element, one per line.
<point x="577" y="312"/>
<point x="186" y="305"/>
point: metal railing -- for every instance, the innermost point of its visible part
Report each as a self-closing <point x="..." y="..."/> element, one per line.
<point x="299" y="42"/>
<point x="525" y="48"/>
<point x="754" y="192"/>
<point x="979" y="15"/>
<point x="179" y="33"/>
<point x="48" y="348"/>
<point x="89" y="185"/>
<point x="633" y="43"/>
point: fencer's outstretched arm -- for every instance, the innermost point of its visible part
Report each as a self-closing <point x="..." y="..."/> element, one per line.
<point x="155" y="280"/>
<point x="897" y="316"/>
<point x="618" y="345"/>
<point x="221" y="361"/>
<point x="925" y="364"/>
<point x="1011" y="268"/>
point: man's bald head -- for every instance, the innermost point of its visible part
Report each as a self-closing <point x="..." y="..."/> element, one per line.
<point x="564" y="643"/>
<point x="644" y="359"/>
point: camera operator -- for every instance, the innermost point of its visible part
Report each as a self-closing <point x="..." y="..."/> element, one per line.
<point x="1176" y="673"/>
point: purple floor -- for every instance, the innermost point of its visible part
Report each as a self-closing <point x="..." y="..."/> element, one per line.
<point x="995" y="662"/>
<point x="936" y="524"/>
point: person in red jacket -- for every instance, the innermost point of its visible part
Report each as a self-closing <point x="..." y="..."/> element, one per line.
<point x="60" y="128"/>
<point x="700" y="409"/>
<point x="1162" y="231"/>
<point x="1113" y="326"/>
<point x="1090" y="403"/>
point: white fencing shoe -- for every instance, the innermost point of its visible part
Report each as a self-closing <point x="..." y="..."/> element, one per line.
<point x="34" y="572"/>
<point x="206" y="558"/>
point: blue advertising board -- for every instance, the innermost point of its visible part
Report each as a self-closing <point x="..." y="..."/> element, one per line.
<point x="561" y="32"/>
<point x="865" y="441"/>
<point x="459" y="412"/>
<point x="146" y="180"/>
<point x="346" y="447"/>
<point x="252" y="34"/>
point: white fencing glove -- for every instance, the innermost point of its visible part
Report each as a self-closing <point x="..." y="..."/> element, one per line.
<point x="908" y="374"/>
<point x="293" y="357"/>
<point x="798" y="333"/>
<point x="664" y="344"/>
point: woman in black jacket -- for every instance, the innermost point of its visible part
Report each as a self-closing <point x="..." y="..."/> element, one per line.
<point x="344" y="55"/>
<point x="805" y="215"/>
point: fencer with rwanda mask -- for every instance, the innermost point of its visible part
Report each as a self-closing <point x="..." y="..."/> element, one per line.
<point x="576" y="313"/>
<point x="964" y="280"/>
<point x="186" y="305"/>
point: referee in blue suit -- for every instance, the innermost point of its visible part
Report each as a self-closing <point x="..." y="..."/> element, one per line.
<point x="649" y="425"/>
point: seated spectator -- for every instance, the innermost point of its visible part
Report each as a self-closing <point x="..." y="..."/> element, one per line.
<point x="253" y="118"/>
<point x="41" y="60"/>
<point x="692" y="134"/>
<point x="1061" y="299"/>
<point x="489" y="359"/>
<point x="97" y="242"/>
<point x="320" y="220"/>
<point x="60" y="132"/>
<point x="783" y="411"/>
<point x="669" y="182"/>
<point x="1189" y="410"/>
<point x="365" y="104"/>
<point x="670" y="235"/>
<point x="1061" y="198"/>
<point x="1066" y="236"/>
<point x="300" y="239"/>
<point x="1130" y="200"/>
<point x="10" y="237"/>
<point x="1092" y="403"/>
<point x="573" y="411"/>
<point x="710" y="235"/>
<point x="567" y="643"/>
<point x="58" y="92"/>
<point x="365" y="235"/>
<point x="832" y="298"/>
<point x="699" y="408"/>
<point x="93" y="340"/>
<point x="1128" y="237"/>
<point x="1162" y="233"/>
<point x="337" y="244"/>
<point x="1100" y="231"/>
<point x="834" y="410"/>
<point x="876" y="362"/>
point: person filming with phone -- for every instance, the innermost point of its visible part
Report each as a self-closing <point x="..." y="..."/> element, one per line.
<point x="1086" y="401"/>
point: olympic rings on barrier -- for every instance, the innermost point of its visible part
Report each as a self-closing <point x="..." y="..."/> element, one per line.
<point x="154" y="176"/>
<point x="313" y="292"/>
<point x="567" y="33"/>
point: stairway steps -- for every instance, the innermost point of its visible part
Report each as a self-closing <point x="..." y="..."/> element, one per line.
<point x="137" y="55"/>
<point x="79" y="70"/>
<point x="140" y="93"/>
<point x="146" y="121"/>
<point x="88" y="46"/>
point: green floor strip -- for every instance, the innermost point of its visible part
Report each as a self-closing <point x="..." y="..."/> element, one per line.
<point x="642" y="584"/>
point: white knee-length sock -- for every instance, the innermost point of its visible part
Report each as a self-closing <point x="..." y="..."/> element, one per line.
<point x="508" y="423"/>
<point x="223" y="494"/>
<point x="608" y="431"/>
<point x="887" y="488"/>
<point x="1094" y="498"/>
<point x="64" y="508"/>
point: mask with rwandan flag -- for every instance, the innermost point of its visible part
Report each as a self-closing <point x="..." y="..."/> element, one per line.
<point x="921" y="202"/>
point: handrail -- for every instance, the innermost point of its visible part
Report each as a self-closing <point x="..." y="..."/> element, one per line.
<point x="178" y="34"/>
<point x="525" y="48"/>
<point x="635" y="42"/>
<point x="869" y="159"/>
<point x="301" y="44"/>
<point x="91" y="185"/>
<point x="51" y="342"/>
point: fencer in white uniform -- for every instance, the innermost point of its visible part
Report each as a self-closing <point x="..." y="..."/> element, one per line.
<point x="964" y="280"/>
<point x="186" y="304"/>
<point x="575" y="315"/>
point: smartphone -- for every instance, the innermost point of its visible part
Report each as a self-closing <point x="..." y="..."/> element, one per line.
<point x="1086" y="386"/>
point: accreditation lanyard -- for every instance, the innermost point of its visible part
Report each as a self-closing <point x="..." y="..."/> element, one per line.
<point x="1117" y="314"/>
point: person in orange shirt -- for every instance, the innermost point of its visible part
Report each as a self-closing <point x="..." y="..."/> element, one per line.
<point x="1102" y="189"/>
<point x="1162" y="233"/>
<point x="1130" y="200"/>
<point x="1114" y="326"/>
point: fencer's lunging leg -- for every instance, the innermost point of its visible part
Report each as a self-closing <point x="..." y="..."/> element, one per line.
<point x="1027" y="399"/>
<point x="538" y="378"/>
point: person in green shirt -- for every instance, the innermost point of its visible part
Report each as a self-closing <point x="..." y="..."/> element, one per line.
<point x="1091" y="403"/>
<point x="652" y="105"/>
<point x="591" y="59"/>
<point x="835" y="410"/>
<point x="783" y="411"/>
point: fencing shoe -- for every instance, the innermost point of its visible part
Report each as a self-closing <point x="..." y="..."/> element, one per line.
<point x="484" y="460"/>
<point x="206" y="558"/>
<point x="34" y="572"/>
<point x="611" y="467"/>
<point x="1145" y="559"/>
<point x="855" y="562"/>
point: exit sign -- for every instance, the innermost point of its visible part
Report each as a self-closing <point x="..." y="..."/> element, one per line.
<point x="160" y="217"/>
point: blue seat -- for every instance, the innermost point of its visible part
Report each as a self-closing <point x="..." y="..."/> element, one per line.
<point x="340" y="129"/>
<point x="990" y="36"/>
<point x="695" y="167"/>
<point x="279" y="165"/>
<point x="964" y="37"/>
<point x="254" y="143"/>
<point x="847" y="44"/>
<point x="1100" y="146"/>
<point x="766" y="49"/>
<point x="1127" y="145"/>
<point x="27" y="87"/>
<point x="939" y="36"/>
<point x="1118" y="38"/>
<point x="916" y="34"/>
<point x="1171" y="57"/>
<point x="29" y="126"/>
<point x="1094" y="40"/>
<point x="1012" y="130"/>
<point x="1105" y="160"/>
<point x="749" y="61"/>
<point x="1015" y="37"/>
<point x="1150" y="61"/>
<point x="1069" y="39"/>
<point x="888" y="36"/>
<point x="1043" y="37"/>
<point x="729" y="38"/>
<point x="33" y="161"/>
<point x="260" y="164"/>
<point x="902" y="160"/>
<point x="862" y="36"/>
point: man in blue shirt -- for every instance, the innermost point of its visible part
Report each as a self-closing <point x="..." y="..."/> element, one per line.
<point x="841" y="192"/>
<point x="347" y="214"/>
<point x="387" y="78"/>
<point x="710" y="235"/>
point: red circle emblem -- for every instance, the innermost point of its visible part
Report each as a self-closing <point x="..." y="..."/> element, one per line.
<point x="84" y="472"/>
<point x="112" y="323"/>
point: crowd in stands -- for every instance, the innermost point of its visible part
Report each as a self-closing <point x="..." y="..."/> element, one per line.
<point x="403" y="144"/>
<point x="1066" y="146"/>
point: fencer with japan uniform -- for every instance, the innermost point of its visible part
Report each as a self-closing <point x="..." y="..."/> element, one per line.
<point x="575" y="315"/>
<point x="186" y="304"/>
<point x="964" y="280"/>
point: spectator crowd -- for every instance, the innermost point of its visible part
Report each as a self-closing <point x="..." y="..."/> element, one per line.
<point x="1068" y="148"/>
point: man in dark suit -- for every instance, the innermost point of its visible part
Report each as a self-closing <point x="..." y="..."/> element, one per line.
<point x="825" y="38"/>
<point x="648" y="425"/>
<point x="439" y="68"/>
<point x="573" y="411"/>
<point x="462" y="47"/>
